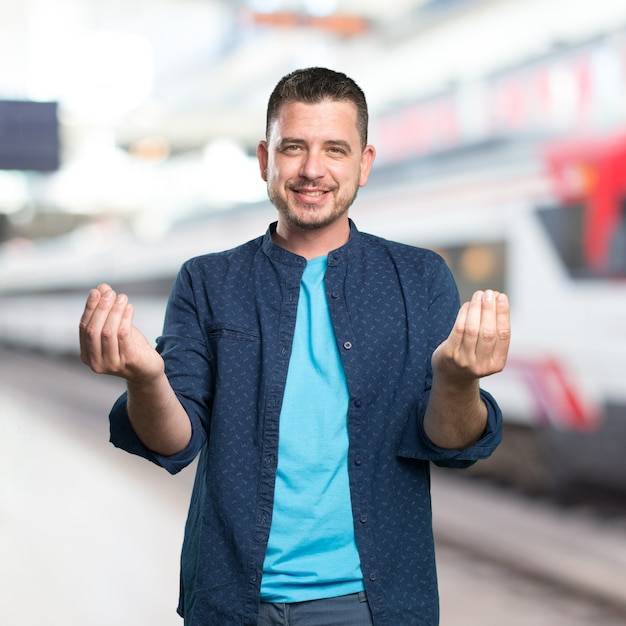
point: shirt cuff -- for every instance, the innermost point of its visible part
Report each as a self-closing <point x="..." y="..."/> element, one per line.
<point x="415" y="444"/>
<point x="124" y="437"/>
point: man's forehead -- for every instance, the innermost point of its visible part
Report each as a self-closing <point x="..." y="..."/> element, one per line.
<point x="331" y="114"/>
<point x="298" y="107"/>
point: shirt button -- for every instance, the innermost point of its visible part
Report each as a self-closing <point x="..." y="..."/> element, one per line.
<point x="357" y="403"/>
<point x="358" y="461"/>
<point x="347" y="345"/>
<point x="334" y="294"/>
<point x="372" y="576"/>
<point x="363" y="519"/>
<point x="336" y="256"/>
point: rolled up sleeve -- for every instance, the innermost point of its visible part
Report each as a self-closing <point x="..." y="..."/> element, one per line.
<point x="415" y="444"/>
<point x="124" y="437"/>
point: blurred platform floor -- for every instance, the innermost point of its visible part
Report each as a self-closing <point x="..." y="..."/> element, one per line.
<point x="89" y="536"/>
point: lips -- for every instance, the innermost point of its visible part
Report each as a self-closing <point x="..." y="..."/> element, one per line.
<point x="310" y="192"/>
<point x="310" y="196"/>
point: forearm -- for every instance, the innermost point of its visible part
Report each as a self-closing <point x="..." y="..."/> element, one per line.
<point x="456" y="416"/>
<point x="157" y="416"/>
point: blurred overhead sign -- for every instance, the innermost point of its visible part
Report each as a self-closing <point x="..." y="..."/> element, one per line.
<point x="344" y="25"/>
<point x="29" y="136"/>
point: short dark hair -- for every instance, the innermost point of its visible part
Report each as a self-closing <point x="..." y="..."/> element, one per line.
<point x="312" y="85"/>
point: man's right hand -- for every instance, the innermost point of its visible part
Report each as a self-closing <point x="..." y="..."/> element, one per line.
<point x="110" y="344"/>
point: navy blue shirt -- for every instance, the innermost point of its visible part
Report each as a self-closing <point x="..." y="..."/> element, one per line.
<point x="226" y="343"/>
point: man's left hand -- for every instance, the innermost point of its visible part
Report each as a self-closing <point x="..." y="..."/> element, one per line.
<point x="478" y="344"/>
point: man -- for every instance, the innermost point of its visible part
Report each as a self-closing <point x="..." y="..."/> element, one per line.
<point x="317" y="371"/>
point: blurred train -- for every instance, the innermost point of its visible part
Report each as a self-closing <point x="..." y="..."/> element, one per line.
<point x="544" y="223"/>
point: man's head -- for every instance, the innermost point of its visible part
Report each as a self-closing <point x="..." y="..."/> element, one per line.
<point x="313" y="85"/>
<point x="314" y="157"/>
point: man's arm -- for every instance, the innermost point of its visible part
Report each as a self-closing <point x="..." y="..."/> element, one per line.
<point x="110" y="344"/>
<point x="477" y="346"/>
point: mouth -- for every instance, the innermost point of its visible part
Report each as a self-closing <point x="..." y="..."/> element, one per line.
<point x="310" y="196"/>
<point x="305" y="192"/>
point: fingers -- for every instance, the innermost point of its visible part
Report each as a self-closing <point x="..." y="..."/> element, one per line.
<point x="90" y="328"/>
<point x="106" y="317"/>
<point x="117" y="334"/>
<point x="503" y="325"/>
<point x="480" y="328"/>
<point x="483" y="332"/>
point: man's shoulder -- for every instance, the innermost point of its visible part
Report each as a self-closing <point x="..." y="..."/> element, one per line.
<point x="241" y="253"/>
<point x="399" y="251"/>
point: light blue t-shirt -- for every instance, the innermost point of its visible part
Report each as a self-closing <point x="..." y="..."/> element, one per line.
<point x="312" y="553"/>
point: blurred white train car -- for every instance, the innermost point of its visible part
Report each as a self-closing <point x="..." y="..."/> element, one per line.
<point x="545" y="224"/>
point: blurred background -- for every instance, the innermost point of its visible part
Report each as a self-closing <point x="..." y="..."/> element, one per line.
<point x="128" y="133"/>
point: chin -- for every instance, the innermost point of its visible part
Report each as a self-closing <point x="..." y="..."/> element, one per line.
<point x="313" y="222"/>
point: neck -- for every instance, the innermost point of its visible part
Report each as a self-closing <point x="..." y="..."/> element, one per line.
<point x="313" y="242"/>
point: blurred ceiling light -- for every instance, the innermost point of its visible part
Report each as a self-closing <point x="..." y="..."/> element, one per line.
<point x="321" y="8"/>
<point x="265" y="6"/>
<point x="107" y="75"/>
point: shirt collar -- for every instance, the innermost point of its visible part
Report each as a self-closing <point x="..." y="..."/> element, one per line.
<point x="335" y="257"/>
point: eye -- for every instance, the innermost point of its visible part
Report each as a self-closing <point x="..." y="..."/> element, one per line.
<point x="338" y="149"/>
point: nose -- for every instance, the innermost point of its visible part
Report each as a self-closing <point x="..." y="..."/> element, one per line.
<point x="312" y="166"/>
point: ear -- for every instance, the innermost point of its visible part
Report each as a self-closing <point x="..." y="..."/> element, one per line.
<point x="262" y="155"/>
<point x="367" y="159"/>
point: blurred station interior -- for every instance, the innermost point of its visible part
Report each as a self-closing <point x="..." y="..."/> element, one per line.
<point x="127" y="144"/>
<point x="128" y="132"/>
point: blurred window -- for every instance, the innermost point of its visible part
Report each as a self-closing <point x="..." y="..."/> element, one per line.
<point x="476" y="266"/>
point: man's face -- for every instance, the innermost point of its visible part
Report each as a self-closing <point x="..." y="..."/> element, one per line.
<point x="313" y="162"/>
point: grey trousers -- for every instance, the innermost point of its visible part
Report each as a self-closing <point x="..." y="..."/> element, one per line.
<point x="352" y="610"/>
